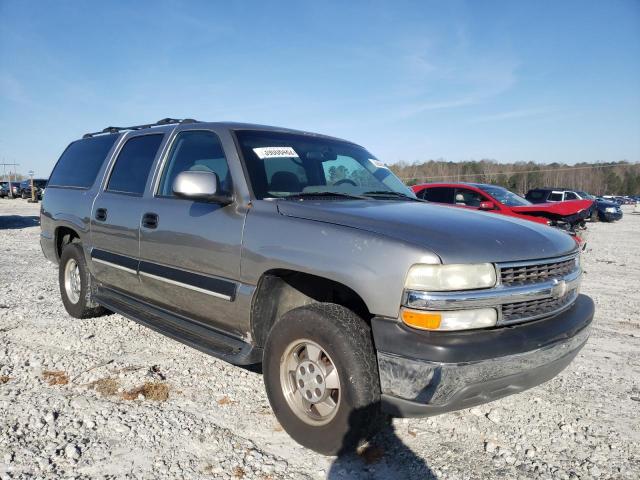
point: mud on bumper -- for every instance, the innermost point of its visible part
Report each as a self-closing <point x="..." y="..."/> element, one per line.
<point x="461" y="370"/>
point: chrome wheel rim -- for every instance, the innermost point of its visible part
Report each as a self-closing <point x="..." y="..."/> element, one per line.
<point x="310" y="382"/>
<point x="72" y="282"/>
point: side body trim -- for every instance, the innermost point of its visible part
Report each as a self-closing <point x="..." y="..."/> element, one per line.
<point x="115" y="260"/>
<point x="216" y="287"/>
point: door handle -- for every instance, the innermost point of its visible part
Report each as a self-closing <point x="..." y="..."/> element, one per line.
<point x="101" y="214"/>
<point x="150" y="220"/>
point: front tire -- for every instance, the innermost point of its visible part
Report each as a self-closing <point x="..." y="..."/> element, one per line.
<point x="321" y="377"/>
<point x="75" y="283"/>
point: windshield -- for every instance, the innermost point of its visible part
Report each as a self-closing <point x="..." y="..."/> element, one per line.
<point x="504" y="196"/>
<point x="40" y="183"/>
<point x="285" y="164"/>
<point x="586" y="195"/>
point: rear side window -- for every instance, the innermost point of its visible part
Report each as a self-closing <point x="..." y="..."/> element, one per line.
<point x="133" y="164"/>
<point x="536" y="195"/>
<point x="81" y="161"/>
<point x="555" y="197"/>
<point x="439" y="194"/>
<point x="570" y="196"/>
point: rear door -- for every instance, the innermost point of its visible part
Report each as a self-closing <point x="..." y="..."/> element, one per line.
<point x="116" y="212"/>
<point x="190" y="253"/>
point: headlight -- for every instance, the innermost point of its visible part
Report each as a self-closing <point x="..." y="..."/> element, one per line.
<point x="442" y="278"/>
<point x="610" y="209"/>
<point x="449" y="319"/>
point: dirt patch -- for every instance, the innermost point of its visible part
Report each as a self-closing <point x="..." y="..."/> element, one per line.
<point x="4" y="379"/>
<point x="150" y="390"/>
<point x="237" y="472"/>
<point x="225" y="401"/>
<point x="106" y="387"/>
<point x="55" y="377"/>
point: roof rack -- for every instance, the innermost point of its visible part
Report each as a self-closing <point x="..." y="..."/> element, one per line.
<point x="164" y="121"/>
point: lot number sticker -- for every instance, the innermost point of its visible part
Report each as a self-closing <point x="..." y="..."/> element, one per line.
<point x="377" y="163"/>
<point x="275" y="152"/>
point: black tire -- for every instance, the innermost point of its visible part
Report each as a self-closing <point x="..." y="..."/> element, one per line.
<point x="85" y="307"/>
<point x="595" y="216"/>
<point x="23" y="195"/>
<point x="346" y="339"/>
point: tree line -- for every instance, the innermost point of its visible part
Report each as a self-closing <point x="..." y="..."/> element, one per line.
<point x="616" y="178"/>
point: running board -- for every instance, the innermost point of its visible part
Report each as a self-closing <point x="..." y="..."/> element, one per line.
<point x="189" y="332"/>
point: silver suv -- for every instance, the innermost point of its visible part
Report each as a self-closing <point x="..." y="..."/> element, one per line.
<point x="306" y="254"/>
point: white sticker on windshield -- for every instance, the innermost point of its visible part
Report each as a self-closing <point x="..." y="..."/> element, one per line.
<point x="377" y="163"/>
<point x="275" y="152"/>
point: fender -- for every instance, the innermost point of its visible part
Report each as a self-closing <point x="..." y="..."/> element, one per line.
<point x="325" y="250"/>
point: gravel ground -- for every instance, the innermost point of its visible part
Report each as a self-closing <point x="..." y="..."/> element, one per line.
<point x="108" y="398"/>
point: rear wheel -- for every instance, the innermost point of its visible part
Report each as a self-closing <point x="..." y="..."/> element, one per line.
<point x="321" y="377"/>
<point x="75" y="283"/>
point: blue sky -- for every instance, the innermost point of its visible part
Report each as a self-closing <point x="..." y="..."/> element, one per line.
<point x="508" y="80"/>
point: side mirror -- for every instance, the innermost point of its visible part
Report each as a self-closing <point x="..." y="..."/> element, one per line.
<point x="487" y="206"/>
<point x="197" y="185"/>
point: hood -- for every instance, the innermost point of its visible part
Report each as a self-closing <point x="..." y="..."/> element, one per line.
<point x="563" y="209"/>
<point x="456" y="235"/>
<point x="606" y="203"/>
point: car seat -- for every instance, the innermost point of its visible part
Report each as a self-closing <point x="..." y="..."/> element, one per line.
<point x="285" y="182"/>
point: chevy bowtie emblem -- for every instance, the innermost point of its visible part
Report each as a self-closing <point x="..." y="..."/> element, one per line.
<point x="559" y="288"/>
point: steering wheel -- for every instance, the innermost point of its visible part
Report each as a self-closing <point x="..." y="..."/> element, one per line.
<point x="345" y="180"/>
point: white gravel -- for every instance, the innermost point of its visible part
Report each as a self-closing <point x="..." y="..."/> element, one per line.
<point x="216" y="421"/>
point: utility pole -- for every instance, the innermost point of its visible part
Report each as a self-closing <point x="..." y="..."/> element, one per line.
<point x="34" y="195"/>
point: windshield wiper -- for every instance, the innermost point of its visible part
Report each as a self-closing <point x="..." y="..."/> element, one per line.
<point x="321" y="194"/>
<point x="391" y="193"/>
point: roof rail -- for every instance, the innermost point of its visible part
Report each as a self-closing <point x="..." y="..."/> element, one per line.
<point x="164" y="121"/>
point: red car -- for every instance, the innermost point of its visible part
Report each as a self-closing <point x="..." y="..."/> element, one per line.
<point x="492" y="198"/>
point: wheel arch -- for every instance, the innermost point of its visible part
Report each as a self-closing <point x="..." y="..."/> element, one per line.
<point x="281" y="290"/>
<point x="64" y="235"/>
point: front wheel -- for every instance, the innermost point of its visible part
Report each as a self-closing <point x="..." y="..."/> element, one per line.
<point x="321" y="377"/>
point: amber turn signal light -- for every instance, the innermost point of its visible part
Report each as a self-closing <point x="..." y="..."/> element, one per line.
<point x="421" y="320"/>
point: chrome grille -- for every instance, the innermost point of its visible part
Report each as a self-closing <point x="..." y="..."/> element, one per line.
<point x="541" y="272"/>
<point x="529" y="310"/>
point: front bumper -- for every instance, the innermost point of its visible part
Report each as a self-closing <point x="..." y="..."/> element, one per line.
<point x="428" y="373"/>
<point x="610" y="217"/>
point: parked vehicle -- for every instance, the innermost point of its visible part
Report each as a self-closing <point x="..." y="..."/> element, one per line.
<point x="496" y="199"/>
<point x="305" y="253"/>
<point x="25" y="188"/>
<point x="604" y="211"/>
<point x="4" y="189"/>
<point x="546" y="195"/>
<point x="542" y="195"/>
<point x="9" y="187"/>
